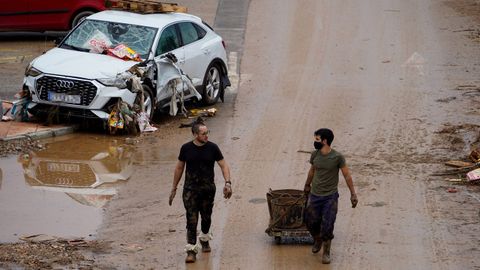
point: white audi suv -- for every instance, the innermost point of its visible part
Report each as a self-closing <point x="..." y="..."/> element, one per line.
<point x="80" y="76"/>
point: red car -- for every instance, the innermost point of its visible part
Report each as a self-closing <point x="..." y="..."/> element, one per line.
<point x="45" y="15"/>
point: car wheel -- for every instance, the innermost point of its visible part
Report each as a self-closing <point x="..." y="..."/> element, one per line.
<point x="148" y="102"/>
<point x="212" y="85"/>
<point x="80" y="16"/>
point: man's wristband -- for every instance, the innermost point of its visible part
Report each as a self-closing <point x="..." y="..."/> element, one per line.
<point x="228" y="182"/>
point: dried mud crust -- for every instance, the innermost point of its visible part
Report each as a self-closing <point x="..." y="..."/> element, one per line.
<point x="459" y="139"/>
<point x="470" y="8"/>
<point x="49" y="255"/>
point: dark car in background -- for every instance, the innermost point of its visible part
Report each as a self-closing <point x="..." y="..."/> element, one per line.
<point x="46" y="15"/>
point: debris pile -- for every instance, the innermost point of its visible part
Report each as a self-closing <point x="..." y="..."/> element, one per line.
<point x="19" y="146"/>
<point x="134" y="120"/>
<point x="466" y="171"/>
<point x="46" y="252"/>
<point x="16" y="110"/>
<point x="197" y="115"/>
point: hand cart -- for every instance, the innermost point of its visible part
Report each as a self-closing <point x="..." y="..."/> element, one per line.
<point x="286" y="208"/>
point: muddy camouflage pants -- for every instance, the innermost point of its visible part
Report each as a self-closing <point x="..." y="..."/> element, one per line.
<point x="320" y="215"/>
<point x="198" y="202"/>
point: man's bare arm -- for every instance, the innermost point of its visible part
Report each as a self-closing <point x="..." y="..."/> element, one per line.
<point x="227" y="189"/>
<point x="308" y="182"/>
<point x="349" y="181"/>
<point x="177" y="175"/>
<point x="225" y="169"/>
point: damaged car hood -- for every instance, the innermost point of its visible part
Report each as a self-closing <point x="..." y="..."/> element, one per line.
<point x="81" y="64"/>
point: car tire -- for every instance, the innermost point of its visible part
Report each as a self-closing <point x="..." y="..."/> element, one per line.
<point x="80" y="16"/>
<point x="212" y="84"/>
<point x="148" y="101"/>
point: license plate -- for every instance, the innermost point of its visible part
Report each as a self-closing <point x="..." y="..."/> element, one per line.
<point x="63" y="167"/>
<point x="74" y="99"/>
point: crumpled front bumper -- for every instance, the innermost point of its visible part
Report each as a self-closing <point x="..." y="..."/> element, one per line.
<point x="96" y="106"/>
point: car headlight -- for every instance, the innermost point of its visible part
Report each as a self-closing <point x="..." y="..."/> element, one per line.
<point x="31" y="71"/>
<point x="117" y="82"/>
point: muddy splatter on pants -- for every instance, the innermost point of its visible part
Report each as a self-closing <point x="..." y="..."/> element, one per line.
<point x="198" y="202"/>
<point x="320" y="215"/>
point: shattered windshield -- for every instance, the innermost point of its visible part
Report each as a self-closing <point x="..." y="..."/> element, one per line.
<point x="99" y="36"/>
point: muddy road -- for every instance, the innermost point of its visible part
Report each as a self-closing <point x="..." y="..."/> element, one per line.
<point x="383" y="77"/>
<point x="397" y="81"/>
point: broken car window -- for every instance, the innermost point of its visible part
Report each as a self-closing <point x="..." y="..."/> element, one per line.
<point x="97" y="36"/>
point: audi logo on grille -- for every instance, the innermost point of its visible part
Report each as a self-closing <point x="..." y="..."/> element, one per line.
<point x="65" y="84"/>
<point x="64" y="181"/>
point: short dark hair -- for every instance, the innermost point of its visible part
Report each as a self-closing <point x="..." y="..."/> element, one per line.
<point x="325" y="133"/>
<point x="197" y="124"/>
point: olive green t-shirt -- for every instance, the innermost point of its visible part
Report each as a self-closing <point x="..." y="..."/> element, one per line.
<point x="325" y="178"/>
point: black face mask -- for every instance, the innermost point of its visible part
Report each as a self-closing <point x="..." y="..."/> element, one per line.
<point x="317" y="145"/>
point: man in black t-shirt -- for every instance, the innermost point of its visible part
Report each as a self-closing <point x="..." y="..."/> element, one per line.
<point x="199" y="188"/>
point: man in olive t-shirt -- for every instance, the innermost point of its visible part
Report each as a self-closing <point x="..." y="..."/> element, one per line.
<point x="322" y="187"/>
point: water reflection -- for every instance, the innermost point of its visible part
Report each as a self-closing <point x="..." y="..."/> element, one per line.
<point x="87" y="169"/>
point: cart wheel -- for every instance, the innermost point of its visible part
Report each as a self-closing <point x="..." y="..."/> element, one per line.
<point x="278" y="240"/>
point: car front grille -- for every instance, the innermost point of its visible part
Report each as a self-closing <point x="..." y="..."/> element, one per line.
<point x="86" y="89"/>
<point x="45" y="110"/>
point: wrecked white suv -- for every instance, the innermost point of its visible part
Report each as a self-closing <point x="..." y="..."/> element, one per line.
<point x="81" y="77"/>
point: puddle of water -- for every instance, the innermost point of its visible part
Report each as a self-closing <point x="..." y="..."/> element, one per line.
<point x="61" y="190"/>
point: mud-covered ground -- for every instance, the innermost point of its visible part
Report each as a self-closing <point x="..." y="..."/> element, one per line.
<point x="399" y="85"/>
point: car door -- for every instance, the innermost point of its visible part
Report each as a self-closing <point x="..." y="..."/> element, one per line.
<point x="168" y="42"/>
<point x="198" y="53"/>
<point x="14" y="15"/>
<point x="50" y="14"/>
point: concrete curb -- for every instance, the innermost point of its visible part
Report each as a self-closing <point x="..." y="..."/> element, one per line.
<point x="43" y="134"/>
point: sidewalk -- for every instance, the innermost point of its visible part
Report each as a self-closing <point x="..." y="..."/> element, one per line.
<point x="13" y="130"/>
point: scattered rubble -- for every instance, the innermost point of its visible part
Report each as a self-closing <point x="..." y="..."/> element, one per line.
<point x="19" y="146"/>
<point x="48" y="252"/>
<point x="467" y="172"/>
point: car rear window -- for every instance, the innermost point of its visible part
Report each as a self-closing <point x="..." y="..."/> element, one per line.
<point x="189" y="33"/>
<point x="201" y="32"/>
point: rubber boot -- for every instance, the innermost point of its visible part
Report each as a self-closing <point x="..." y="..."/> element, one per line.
<point x="326" y="252"/>
<point x="317" y="244"/>
<point x="205" y="246"/>
<point x="191" y="257"/>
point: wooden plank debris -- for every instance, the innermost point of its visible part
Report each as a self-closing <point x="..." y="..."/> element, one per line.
<point x="145" y="6"/>
<point x="458" y="163"/>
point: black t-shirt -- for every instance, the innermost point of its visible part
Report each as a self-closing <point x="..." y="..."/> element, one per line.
<point x="200" y="161"/>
